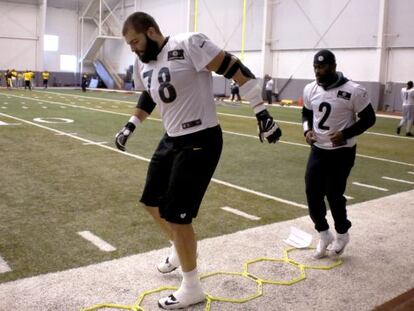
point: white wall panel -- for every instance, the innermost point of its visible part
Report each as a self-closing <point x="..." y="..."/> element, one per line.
<point x="400" y="23"/>
<point x="18" y="37"/>
<point x="222" y="22"/>
<point x="359" y="65"/>
<point x="324" y="23"/>
<point x="401" y="65"/>
<point x="57" y="23"/>
<point x="171" y="15"/>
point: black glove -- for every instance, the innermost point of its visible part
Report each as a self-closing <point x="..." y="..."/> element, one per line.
<point x="123" y="135"/>
<point x="268" y="128"/>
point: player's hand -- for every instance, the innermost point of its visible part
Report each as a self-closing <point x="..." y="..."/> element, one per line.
<point x="123" y="135"/>
<point x="268" y="128"/>
<point x="310" y="138"/>
<point x="337" y="139"/>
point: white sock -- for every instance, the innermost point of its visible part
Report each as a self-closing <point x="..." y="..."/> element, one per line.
<point x="190" y="283"/>
<point x="173" y="257"/>
<point x="325" y="234"/>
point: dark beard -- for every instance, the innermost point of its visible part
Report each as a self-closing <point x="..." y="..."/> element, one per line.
<point x="151" y="51"/>
<point x="327" y="80"/>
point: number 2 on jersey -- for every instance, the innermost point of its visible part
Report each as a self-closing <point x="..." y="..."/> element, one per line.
<point x="328" y="108"/>
<point x="166" y="90"/>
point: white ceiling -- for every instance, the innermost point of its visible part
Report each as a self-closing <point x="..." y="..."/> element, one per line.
<point x="62" y="4"/>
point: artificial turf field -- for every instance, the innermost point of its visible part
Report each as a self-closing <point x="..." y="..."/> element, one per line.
<point x="61" y="175"/>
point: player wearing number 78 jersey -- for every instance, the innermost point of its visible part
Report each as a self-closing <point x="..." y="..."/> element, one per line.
<point x="332" y="104"/>
<point x="175" y="74"/>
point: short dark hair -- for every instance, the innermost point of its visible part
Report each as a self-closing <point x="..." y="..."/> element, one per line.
<point x="140" y="22"/>
<point x="410" y="84"/>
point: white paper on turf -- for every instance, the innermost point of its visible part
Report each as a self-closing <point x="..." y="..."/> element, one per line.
<point x="298" y="238"/>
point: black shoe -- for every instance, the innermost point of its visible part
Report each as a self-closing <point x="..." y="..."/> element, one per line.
<point x="409" y="134"/>
<point x="399" y="130"/>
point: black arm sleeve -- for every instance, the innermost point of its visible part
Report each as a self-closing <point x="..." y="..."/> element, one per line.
<point x="307" y="116"/>
<point x="146" y="103"/>
<point x="366" y="120"/>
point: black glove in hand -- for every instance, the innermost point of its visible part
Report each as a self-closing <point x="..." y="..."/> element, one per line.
<point x="123" y="135"/>
<point x="268" y="128"/>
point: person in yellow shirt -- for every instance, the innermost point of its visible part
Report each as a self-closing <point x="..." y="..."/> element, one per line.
<point x="45" y="77"/>
<point x="27" y="75"/>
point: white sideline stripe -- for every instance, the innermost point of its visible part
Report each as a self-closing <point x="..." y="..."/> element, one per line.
<point x="95" y="143"/>
<point x="254" y="118"/>
<point x="4" y="267"/>
<point x="65" y="134"/>
<point x="247" y="117"/>
<point x="228" y="132"/>
<point x="261" y="194"/>
<point x="240" y="213"/>
<point x="298" y="123"/>
<point x="369" y="186"/>
<point x="97" y="241"/>
<point x="305" y="145"/>
<point x="257" y="137"/>
<point x="399" y="180"/>
<point x="147" y="160"/>
<point x="90" y="97"/>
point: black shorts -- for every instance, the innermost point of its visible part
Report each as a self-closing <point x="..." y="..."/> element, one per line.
<point x="179" y="173"/>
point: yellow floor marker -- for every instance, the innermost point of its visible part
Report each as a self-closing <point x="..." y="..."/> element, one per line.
<point x="246" y="274"/>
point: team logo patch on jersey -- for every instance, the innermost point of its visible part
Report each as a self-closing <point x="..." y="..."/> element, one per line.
<point x="187" y="125"/>
<point x="175" y="54"/>
<point x="344" y="95"/>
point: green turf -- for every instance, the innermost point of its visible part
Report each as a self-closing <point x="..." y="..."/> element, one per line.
<point x="54" y="186"/>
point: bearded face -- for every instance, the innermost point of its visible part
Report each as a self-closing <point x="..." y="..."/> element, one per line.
<point x="150" y="51"/>
<point x="325" y="74"/>
<point x="143" y="46"/>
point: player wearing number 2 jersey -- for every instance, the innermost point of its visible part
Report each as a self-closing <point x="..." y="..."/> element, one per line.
<point x="175" y="74"/>
<point x="332" y="104"/>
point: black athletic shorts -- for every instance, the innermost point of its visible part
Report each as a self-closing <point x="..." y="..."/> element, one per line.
<point x="179" y="173"/>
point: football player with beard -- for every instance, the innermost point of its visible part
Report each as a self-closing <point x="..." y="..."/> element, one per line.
<point x="332" y="104"/>
<point x="175" y="74"/>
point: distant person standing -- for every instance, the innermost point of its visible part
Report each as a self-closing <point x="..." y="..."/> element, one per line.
<point x="84" y="83"/>
<point x="235" y="92"/>
<point x="335" y="111"/>
<point x="269" y="90"/>
<point x="8" y="77"/>
<point x="407" y="96"/>
<point x="14" y="78"/>
<point x="45" y="77"/>
<point x="27" y="76"/>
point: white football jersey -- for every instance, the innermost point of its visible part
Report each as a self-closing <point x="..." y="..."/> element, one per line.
<point x="334" y="110"/>
<point x="179" y="83"/>
<point x="407" y="96"/>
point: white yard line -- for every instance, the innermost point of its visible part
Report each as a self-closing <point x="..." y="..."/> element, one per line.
<point x="261" y="194"/>
<point x="399" y="180"/>
<point x="369" y="186"/>
<point x="97" y="241"/>
<point x="95" y="143"/>
<point x="239" y="213"/>
<point x="412" y="173"/>
<point x="147" y="160"/>
<point x="228" y="132"/>
<point x="4" y="267"/>
<point x="249" y="117"/>
<point x="305" y="145"/>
